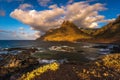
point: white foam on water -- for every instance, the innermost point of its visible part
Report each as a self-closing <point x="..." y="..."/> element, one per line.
<point x="3" y="52"/>
<point x="46" y="61"/>
<point x="62" y="48"/>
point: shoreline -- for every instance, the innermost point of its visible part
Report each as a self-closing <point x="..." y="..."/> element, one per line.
<point x="13" y="66"/>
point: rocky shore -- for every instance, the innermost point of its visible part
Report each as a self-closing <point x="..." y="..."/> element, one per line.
<point x="105" y="68"/>
<point x="13" y="65"/>
<point x="24" y="64"/>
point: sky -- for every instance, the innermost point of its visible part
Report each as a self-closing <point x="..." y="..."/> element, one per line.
<point x="29" y="19"/>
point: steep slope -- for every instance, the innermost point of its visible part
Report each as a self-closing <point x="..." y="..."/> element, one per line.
<point x="67" y="32"/>
<point x="109" y="33"/>
<point x="110" y="30"/>
<point x="89" y="31"/>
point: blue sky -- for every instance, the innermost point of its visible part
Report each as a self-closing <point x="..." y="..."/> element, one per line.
<point x="13" y="26"/>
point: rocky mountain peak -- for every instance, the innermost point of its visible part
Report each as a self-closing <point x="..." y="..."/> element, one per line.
<point x="67" y="32"/>
<point x="67" y="23"/>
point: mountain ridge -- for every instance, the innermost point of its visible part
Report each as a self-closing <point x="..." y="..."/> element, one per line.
<point x="67" y="32"/>
<point x="70" y="32"/>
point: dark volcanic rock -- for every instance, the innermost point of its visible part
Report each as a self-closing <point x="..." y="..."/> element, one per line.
<point x="65" y="72"/>
<point x="13" y="65"/>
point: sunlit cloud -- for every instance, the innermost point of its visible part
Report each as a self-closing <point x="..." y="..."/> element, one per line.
<point x="21" y="28"/>
<point x="43" y="2"/>
<point x="25" y="6"/>
<point x="82" y="14"/>
<point x="108" y="20"/>
<point x="42" y="20"/>
<point x="20" y="34"/>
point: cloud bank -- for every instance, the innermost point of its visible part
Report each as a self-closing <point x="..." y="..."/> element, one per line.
<point x="20" y="34"/>
<point x="25" y="6"/>
<point x="43" y="2"/>
<point x="81" y="13"/>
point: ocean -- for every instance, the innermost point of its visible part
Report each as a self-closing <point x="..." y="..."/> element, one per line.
<point x="32" y="43"/>
<point x="86" y="48"/>
<point x="17" y="43"/>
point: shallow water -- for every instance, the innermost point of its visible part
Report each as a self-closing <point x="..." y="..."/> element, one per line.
<point x="91" y="51"/>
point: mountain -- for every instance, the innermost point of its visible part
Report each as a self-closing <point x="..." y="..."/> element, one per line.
<point x="67" y="32"/>
<point x="110" y="30"/>
<point x="109" y="33"/>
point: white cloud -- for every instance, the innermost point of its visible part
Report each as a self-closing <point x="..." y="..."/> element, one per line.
<point x="37" y="34"/>
<point x="43" y="2"/>
<point x="25" y="6"/>
<point x="19" y="35"/>
<point x="108" y="20"/>
<point x="21" y="28"/>
<point x="42" y="20"/>
<point x="93" y="25"/>
<point x="28" y="36"/>
<point x="81" y="13"/>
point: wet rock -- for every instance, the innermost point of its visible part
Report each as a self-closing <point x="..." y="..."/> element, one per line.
<point x="14" y="62"/>
<point x="106" y="67"/>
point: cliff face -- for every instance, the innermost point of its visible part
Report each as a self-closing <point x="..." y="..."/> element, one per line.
<point x="67" y="32"/>
<point x="70" y="32"/>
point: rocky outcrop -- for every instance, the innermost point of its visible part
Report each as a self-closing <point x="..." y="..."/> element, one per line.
<point x="105" y="67"/>
<point x="12" y="66"/>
